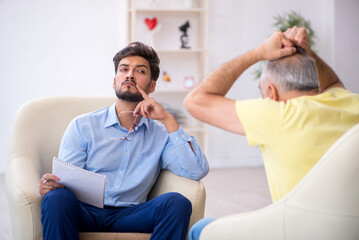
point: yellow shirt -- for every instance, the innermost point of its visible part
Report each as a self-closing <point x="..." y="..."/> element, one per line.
<point x="294" y="135"/>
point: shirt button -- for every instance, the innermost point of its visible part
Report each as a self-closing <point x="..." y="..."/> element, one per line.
<point x="176" y="138"/>
<point x="116" y="187"/>
<point x="126" y="153"/>
<point x="121" y="172"/>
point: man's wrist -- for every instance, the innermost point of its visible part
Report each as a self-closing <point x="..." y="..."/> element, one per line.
<point x="170" y="123"/>
<point x="257" y="54"/>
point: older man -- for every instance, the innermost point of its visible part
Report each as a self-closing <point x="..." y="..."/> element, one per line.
<point x="304" y="108"/>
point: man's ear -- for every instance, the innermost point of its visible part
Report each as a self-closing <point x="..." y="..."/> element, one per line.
<point x="114" y="83"/>
<point x="152" y="86"/>
<point x="272" y="92"/>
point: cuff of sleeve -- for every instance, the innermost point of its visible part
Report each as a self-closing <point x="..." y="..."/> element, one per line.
<point x="179" y="137"/>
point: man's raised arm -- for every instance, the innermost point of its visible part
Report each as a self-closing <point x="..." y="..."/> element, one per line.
<point x="207" y="102"/>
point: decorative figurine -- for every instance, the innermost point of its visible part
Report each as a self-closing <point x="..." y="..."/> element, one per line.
<point x="151" y="23"/>
<point x="166" y="77"/>
<point x="153" y="27"/>
<point x="184" y="37"/>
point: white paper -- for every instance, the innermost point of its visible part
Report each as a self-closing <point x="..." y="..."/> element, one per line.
<point x="87" y="186"/>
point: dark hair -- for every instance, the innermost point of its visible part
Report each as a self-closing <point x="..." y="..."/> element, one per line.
<point x="142" y="50"/>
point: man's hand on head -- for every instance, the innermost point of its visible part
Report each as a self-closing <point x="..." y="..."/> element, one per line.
<point x="327" y="77"/>
<point x="275" y="47"/>
<point x="299" y="37"/>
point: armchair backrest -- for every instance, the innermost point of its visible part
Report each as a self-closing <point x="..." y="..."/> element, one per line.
<point x="41" y="123"/>
<point x="323" y="205"/>
<point x="328" y="195"/>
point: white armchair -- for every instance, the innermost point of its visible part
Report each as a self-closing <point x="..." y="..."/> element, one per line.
<point x="38" y="129"/>
<point x="323" y="205"/>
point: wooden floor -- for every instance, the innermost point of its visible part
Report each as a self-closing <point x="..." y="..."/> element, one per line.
<point x="228" y="191"/>
<point x="235" y="190"/>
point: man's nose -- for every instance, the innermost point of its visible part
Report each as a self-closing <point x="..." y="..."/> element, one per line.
<point x="130" y="75"/>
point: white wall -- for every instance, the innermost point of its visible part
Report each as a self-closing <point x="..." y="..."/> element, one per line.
<point x="50" y="47"/>
<point x="347" y="42"/>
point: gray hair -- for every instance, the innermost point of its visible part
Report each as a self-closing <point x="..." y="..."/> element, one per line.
<point x="296" y="72"/>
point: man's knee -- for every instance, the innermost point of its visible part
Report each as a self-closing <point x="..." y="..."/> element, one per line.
<point x="178" y="203"/>
<point x="58" y="201"/>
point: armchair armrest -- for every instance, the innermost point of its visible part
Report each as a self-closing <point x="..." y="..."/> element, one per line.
<point x="191" y="189"/>
<point x="24" y="199"/>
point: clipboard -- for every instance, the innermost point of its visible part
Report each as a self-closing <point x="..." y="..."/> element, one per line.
<point x="88" y="187"/>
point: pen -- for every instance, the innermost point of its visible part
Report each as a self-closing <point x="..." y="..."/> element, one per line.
<point x="48" y="180"/>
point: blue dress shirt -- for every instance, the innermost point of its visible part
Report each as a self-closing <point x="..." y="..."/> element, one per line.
<point x="92" y="142"/>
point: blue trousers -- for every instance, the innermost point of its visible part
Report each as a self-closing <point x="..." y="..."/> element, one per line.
<point x="63" y="217"/>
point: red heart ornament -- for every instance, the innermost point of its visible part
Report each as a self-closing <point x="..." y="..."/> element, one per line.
<point x="151" y="23"/>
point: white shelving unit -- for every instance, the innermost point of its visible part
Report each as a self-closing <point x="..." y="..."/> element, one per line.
<point x="179" y="63"/>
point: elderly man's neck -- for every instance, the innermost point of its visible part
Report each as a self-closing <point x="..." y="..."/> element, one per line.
<point x="284" y="96"/>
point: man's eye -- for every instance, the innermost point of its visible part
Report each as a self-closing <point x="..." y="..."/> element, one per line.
<point x="123" y="69"/>
<point x="141" y="71"/>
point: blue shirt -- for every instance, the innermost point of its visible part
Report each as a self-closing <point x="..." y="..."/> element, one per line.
<point x="92" y="142"/>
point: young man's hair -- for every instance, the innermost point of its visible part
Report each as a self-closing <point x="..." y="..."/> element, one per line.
<point x="141" y="50"/>
<point x="296" y="72"/>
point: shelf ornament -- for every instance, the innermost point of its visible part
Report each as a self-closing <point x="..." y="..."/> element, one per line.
<point x="189" y="82"/>
<point x="153" y="27"/>
<point x="166" y="77"/>
<point x="184" y="37"/>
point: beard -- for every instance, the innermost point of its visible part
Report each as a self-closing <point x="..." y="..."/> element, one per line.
<point x="128" y="96"/>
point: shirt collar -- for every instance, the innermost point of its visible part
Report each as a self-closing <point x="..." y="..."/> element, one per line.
<point x="112" y="118"/>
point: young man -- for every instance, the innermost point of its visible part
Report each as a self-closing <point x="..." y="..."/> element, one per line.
<point x="295" y="122"/>
<point x="125" y="143"/>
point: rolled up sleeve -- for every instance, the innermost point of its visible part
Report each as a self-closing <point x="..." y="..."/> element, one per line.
<point x="179" y="158"/>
